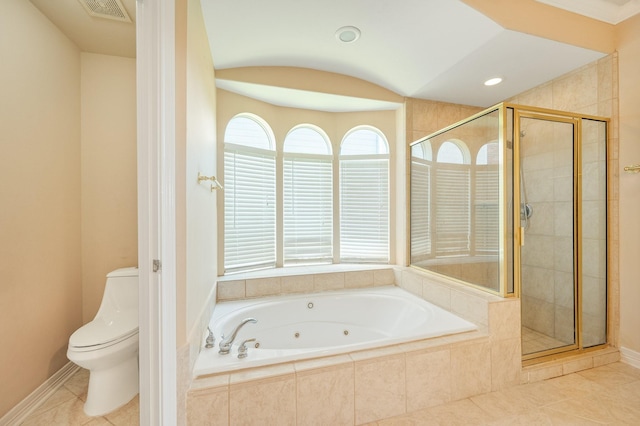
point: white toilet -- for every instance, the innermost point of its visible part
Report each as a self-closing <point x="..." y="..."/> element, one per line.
<point x="108" y="345"/>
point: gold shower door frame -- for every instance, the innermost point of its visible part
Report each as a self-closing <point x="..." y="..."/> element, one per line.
<point x="520" y="112"/>
<point x="519" y="240"/>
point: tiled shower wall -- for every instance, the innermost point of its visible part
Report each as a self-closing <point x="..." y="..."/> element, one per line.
<point x="592" y="90"/>
<point x="548" y="253"/>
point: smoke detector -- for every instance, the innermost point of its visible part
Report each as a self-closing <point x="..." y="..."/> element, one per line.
<point x="108" y="9"/>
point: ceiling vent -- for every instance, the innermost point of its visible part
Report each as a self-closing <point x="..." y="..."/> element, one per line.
<point x="109" y="9"/>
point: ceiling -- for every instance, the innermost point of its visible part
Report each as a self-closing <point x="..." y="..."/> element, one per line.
<point x="92" y="34"/>
<point x="431" y="49"/>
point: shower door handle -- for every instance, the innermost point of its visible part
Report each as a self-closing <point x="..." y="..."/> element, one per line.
<point x="521" y="236"/>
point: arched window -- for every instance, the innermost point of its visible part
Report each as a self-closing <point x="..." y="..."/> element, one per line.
<point x="307" y="139"/>
<point x="453" y="153"/>
<point x="488" y="154"/>
<point x="364" y="196"/>
<point x="249" y="194"/>
<point x="486" y="205"/>
<point x="308" y="196"/>
<point x="453" y="200"/>
<point x="422" y="151"/>
<point x="249" y="131"/>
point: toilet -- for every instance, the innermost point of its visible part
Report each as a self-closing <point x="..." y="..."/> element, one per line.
<point x="108" y="345"/>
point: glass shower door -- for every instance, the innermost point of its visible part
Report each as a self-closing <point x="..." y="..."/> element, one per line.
<point x="548" y="227"/>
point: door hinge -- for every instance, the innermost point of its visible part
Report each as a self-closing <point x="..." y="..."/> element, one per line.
<point x="157" y="265"/>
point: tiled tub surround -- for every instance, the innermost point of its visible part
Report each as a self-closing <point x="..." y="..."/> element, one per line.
<point x="369" y="385"/>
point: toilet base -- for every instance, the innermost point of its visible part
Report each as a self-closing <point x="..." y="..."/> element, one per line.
<point x="111" y="388"/>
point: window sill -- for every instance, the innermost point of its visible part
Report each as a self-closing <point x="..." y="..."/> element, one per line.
<point x="303" y="270"/>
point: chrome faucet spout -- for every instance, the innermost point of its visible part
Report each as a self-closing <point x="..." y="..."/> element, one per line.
<point x="225" y="343"/>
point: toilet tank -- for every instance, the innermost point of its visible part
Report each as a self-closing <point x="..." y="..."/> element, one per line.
<point x="120" y="292"/>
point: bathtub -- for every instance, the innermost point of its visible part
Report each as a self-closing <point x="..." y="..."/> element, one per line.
<point x="297" y="327"/>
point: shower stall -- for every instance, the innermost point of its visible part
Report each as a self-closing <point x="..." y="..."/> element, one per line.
<point x="513" y="201"/>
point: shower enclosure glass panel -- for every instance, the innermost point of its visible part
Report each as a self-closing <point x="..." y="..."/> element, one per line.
<point x="594" y="232"/>
<point x="456" y="201"/>
<point x="547" y="254"/>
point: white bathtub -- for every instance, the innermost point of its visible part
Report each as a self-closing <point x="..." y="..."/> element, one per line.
<point x="296" y="327"/>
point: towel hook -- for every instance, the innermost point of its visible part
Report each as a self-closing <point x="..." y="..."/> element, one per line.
<point x="215" y="185"/>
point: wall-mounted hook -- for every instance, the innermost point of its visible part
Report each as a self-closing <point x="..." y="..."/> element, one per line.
<point x="632" y="169"/>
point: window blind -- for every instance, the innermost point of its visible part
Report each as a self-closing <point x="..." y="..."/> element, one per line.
<point x="452" y="209"/>
<point x="420" y="209"/>
<point x="486" y="215"/>
<point x="308" y="209"/>
<point x="249" y="208"/>
<point x="364" y="208"/>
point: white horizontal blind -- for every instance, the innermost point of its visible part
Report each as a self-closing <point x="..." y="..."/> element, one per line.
<point x="487" y="214"/>
<point x="364" y="208"/>
<point x="452" y="202"/>
<point x="420" y="209"/>
<point x="308" y="209"/>
<point x="249" y="208"/>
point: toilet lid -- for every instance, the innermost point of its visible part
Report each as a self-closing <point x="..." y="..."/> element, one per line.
<point x="105" y="329"/>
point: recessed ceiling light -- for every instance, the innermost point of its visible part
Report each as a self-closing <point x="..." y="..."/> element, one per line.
<point x="493" y="81"/>
<point x="348" y="34"/>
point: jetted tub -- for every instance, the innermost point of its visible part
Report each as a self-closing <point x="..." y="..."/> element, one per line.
<point x="303" y="326"/>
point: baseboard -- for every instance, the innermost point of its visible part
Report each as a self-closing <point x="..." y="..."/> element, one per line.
<point x="630" y="357"/>
<point x="19" y="413"/>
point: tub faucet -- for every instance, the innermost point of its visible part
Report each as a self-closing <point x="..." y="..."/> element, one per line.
<point x="225" y="343"/>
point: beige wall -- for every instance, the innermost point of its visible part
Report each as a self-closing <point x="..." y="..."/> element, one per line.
<point x="425" y="117"/>
<point x="109" y="190"/>
<point x="40" y="284"/>
<point x="195" y="203"/>
<point x="201" y="158"/>
<point x="534" y="17"/>
<point x="310" y="80"/>
<point x="629" y="128"/>
<point x="67" y="187"/>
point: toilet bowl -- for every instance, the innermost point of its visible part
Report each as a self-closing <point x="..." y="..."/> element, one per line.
<point x="108" y="345"/>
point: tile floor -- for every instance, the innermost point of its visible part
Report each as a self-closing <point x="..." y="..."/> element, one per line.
<point x="64" y="407"/>
<point x="608" y="395"/>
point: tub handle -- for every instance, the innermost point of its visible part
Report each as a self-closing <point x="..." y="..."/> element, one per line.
<point x="242" y="350"/>
<point x="211" y="341"/>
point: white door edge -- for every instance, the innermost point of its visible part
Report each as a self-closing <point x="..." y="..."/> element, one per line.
<point x="155" y="69"/>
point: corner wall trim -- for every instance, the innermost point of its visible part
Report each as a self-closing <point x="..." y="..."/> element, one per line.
<point x="19" y="413"/>
<point x="630" y="357"/>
